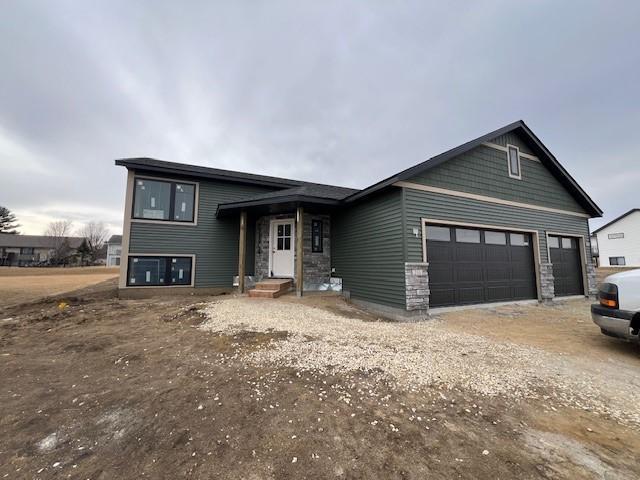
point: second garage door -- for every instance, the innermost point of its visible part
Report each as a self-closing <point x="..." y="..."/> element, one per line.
<point x="468" y="266"/>
<point x="567" y="266"/>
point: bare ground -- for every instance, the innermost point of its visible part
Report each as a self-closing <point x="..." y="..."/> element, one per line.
<point x="107" y="388"/>
<point x="23" y="284"/>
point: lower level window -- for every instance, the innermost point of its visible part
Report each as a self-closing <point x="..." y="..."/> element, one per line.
<point x="159" y="271"/>
<point x="616" y="261"/>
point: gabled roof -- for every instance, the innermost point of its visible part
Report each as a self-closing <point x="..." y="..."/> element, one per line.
<point x="616" y="220"/>
<point x="34" y="241"/>
<point x="546" y="157"/>
<point x="300" y="191"/>
<point x="162" y="166"/>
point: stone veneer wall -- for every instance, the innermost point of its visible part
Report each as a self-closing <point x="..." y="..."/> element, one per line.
<point x="417" y="285"/>
<point x="317" y="266"/>
<point x="592" y="281"/>
<point x="547" y="289"/>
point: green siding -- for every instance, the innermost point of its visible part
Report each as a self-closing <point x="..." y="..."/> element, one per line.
<point x="367" y="249"/>
<point x="512" y="138"/>
<point x="419" y="204"/>
<point x="213" y="241"/>
<point x="484" y="171"/>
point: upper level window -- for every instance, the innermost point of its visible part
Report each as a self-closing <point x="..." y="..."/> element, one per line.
<point x="514" y="162"/>
<point x="614" y="236"/>
<point x="164" y="200"/>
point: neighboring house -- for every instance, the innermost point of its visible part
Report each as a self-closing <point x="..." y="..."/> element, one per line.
<point x="114" y="250"/>
<point x="619" y="241"/>
<point x="495" y="219"/>
<point x="26" y="250"/>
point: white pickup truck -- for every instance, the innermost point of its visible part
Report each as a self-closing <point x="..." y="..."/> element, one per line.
<point x="618" y="311"/>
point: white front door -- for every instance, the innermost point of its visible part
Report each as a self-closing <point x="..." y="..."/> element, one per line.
<point x="282" y="248"/>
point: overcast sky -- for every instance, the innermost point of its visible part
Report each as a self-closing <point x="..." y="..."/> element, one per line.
<point x="335" y="92"/>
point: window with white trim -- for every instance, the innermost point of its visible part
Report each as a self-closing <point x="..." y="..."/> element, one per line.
<point x="513" y="157"/>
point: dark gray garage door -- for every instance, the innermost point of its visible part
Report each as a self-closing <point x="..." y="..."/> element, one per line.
<point x="567" y="266"/>
<point x="468" y="266"/>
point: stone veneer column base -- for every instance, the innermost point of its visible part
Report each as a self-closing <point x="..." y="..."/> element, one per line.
<point x="547" y="289"/>
<point x="416" y="277"/>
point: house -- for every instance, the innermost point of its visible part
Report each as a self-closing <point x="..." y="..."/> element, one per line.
<point x="114" y="249"/>
<point x="495" y="219"/>
<point x="619" y="241"/>
<point x="25" y="250"/>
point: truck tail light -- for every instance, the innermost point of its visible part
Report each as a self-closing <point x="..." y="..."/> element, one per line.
<point x="608" y="295"/>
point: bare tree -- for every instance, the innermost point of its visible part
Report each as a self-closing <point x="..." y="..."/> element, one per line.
<point x="95" y="234"/>
<point x="61" y="250"/>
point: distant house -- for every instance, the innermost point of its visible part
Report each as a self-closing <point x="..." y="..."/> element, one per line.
<point x="619" y="241"/>
<point x="114" y="250"/>
<point x="25" y="250"/>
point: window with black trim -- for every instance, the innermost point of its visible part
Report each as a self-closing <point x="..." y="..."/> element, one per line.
<point x="316" y="236"/>
<point x="164" y="200"/>
<point x="615" y="236"/>
<point x="26" y="250"/>
<point x="158" y="271"/>
<point x="514" y="162"/>
<point x="617" y="261"/>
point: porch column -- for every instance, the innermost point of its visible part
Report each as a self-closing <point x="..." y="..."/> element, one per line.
<point x="299" y="251"/>
<point x="242" y="251"/>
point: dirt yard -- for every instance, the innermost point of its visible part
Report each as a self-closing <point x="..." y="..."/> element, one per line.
<point x="23" y="284"/>
<point x="232" y="388"/>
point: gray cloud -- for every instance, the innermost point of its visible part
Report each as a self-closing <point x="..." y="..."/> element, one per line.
<point x="337" y="92"/>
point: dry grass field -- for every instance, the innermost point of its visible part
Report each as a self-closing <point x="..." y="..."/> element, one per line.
<point x="19" y="285"/>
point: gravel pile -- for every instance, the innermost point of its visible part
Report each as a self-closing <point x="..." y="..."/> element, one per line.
<point x="414" y="355"/>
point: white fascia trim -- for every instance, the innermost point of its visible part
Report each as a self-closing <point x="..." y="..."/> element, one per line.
<point x="483" y="198"/>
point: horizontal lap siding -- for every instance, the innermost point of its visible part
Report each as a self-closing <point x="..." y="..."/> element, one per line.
<point x="213" y="241"/>
<point x="367" y="249"/>
<point x="484" y="171"/>
<point x="512" y="138"/>
<point x="419" y="204"/>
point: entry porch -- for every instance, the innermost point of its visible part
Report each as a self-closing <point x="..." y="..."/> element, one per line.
<point x="287" y="241"/>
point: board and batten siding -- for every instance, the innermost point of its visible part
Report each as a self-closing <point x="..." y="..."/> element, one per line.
<point x="213" y="241"/>
<point x="367" y="249"/>
<point x="484" y="171"/>
<point x="419" y="204"/>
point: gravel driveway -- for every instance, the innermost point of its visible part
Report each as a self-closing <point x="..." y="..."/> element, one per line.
<point x="416" y="355"/>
